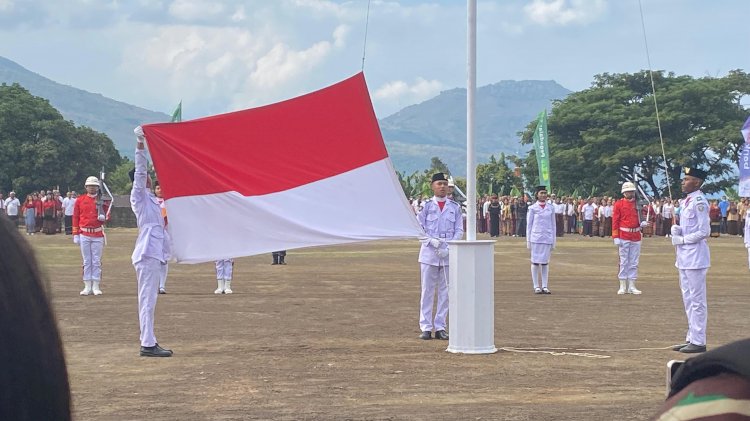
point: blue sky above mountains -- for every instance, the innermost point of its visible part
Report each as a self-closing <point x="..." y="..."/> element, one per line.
<point x="222" y="55"/>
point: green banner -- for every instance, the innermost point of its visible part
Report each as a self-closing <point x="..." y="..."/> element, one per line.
<point x="541" y="147"/>
<point x="177" y="114"/>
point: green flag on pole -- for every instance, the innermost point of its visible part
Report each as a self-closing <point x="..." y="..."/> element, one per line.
<point x="177" y="114"/>
<point x="541" y="147"/>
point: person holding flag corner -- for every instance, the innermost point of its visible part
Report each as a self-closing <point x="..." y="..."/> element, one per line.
<point x="152" y="249"/>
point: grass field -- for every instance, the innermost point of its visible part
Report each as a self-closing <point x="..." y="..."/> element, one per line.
<point x="333" y="336"/>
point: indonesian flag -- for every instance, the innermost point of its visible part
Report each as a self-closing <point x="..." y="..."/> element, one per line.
<point x="308" y="171"/>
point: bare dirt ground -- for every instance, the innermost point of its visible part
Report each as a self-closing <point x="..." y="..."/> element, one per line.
<point x="333" y="336"/>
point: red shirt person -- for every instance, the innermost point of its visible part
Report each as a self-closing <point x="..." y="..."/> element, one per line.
<point x="626" y="231"/>
<point x="88" y="231"/>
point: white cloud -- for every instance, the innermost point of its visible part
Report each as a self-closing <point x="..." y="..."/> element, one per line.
<point x="239" y="15"/>
<point x="6" y="5"/>
<point x="399" y="91"/>
<point x="282" y="63"/>
<point x="189" y="10"/>
<point x="564" y="12"/>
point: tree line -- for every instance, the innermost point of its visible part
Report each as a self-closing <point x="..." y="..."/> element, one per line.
<point x="607" y="134"/>
<point x="39" y="149"/>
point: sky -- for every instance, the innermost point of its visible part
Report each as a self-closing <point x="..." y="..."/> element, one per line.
<point x="218" y="56"/>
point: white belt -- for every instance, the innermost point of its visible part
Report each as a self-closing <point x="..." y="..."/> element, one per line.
<point x="630" y="229"/>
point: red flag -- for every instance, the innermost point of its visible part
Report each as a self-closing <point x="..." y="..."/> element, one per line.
<point x="303" y="172"/>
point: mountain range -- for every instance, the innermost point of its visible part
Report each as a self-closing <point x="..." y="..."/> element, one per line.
<point x="436" y="127"/>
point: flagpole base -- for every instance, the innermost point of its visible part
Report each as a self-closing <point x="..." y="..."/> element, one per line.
<point x="471" y="297"/>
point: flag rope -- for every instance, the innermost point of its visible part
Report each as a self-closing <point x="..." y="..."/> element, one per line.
<point x="656" y="105"/>
<point x="367" y="24"/>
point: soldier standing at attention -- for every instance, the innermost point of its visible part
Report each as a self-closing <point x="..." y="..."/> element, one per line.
<point x="442" y="221"/>
<point x="693" y="259"/>
<point x="626" y="231"/>
<point x="88" y="232"/>
<point x="151" y="252"/>
<point x="540" y="239"/>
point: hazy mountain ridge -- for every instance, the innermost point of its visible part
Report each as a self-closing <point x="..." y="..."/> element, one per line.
<point x="436" y="127"/>
<point x="114" y="118"/>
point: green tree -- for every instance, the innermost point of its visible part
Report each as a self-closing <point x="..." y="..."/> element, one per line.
<point x="497" y="176"/>
<point x="601" y="136"/>
<point x="39" y="149"/>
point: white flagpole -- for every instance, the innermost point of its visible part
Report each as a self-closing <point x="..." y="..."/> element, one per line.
<point x="471" y="290"/>
<point x="471" y="87"/>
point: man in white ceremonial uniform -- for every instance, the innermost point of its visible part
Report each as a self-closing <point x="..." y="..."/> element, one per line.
<point x="541" y="239"/>
<point x="442" y="221"/>
<point x="693" y="259"/>
<point x="746" y="234"/>
<point x="152" y="249"/>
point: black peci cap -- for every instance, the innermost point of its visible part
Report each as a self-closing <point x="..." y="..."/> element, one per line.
<point x="695" y="172"/>
<point x="439" y="177"/>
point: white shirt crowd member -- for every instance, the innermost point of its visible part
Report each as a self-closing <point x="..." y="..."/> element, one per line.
<point x="540" y="239"/>
<point x="151" y="252"/>
<point x="693" y="259"/>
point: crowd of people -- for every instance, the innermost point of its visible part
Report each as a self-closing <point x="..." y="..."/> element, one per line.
<point x="46" y="211"/>
<point x="592" y="217"/>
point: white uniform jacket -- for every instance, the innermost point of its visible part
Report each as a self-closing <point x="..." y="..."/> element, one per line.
<point x="540" y="224"/>
<point x="445" y="225"/>
<point x="153" y="240"/>
<point x="696" y="227"/>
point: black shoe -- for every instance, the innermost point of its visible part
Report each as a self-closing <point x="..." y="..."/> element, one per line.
<point x="426" y="335"/>
<point x="155" y="351"/>
<point x="693" y="349"/>
<point x="162" y="291"/>
<point x="546" y="291"/>
<point x="441" y="334"/>
<point x="679" y="346"/>
<point x="274" y="263"/>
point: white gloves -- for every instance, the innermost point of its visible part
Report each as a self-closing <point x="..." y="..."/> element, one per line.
<point x="676" y="230"/>
<point x="677" y="240"/>
<point x="76" y="239"/>
<point x="528" y="245"/>
<point x="140" y="137"/>
<point x="747" y="245"/>
<point x="101" y="217"/>
<point x="618" y="242"/>
<point x="434" y="242"/>
<point x="442" y="253"/>
<point x="644" y="224"/>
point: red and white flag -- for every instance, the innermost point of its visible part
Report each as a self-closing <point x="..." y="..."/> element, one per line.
<point x="308" y="171"/>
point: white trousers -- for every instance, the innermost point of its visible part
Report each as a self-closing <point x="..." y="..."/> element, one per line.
<point x="693" y="286"/>
<point x="91" y="251"/>
<point x="163" y="277"/>
<point x="148" y="271"/>
<point x="630" y="253"/>
<point x="224" y="269"/>
<point x="433" y="277"/>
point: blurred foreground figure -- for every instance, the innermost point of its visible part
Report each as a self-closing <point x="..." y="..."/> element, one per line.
<point x="33" y="379"/>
